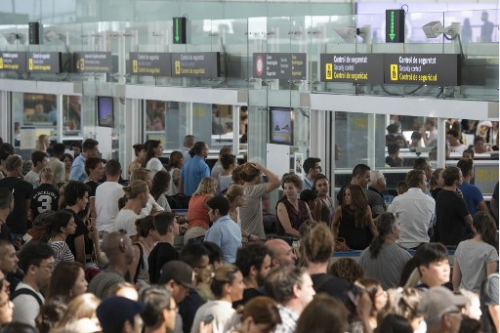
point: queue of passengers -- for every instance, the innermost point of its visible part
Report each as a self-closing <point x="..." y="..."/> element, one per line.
<point x="93" y="254"/>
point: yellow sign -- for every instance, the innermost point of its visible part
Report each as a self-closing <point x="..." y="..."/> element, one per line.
<point x="329" y="71"/>
<point x="394" y="72"/>
<point x="135" y="66"/>
<point x="1" y="63"/>
<point x="30" y="64"/>
<point x="81" y="64"/>
<point x="177" y="67"/>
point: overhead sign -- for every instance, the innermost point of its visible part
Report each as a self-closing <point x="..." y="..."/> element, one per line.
<point x="44" y="62"/>
<point x="283" y="66"/>
<point x="361" y="68"/>
<point x="395" y="26"/>
<point x="179" y="30"/>
<point x="154" y="64"/>
<point x="198" y="64"/>
<point x="13" y="61"/>
<point x="92" y="62"/>
<point x="429" y="69"/>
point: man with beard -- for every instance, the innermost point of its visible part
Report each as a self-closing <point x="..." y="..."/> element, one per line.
<point x="254" y="262"/>
<point x="119" y="250"/>
<point x="8" y="264"/>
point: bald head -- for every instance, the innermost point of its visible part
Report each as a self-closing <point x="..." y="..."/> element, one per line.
<point x="115" y="244"/>
<point x="282" y="253"/>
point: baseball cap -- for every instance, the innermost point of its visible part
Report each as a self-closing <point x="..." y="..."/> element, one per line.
<point x="114" y="311"/>
<point x="178" y="271"/>
<point x="437" y="301"/>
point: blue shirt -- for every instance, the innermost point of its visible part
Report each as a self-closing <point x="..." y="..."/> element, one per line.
<point x="227" y="234"/>
<point x="472" y="196"/>
<point x="77" y="171"/>
<point x="192" y="173"/>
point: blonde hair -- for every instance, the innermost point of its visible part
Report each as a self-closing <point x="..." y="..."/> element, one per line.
<point x="40" y="143"/>
<point x="208" y="185"/>
<point x="47" y="174"/>
<point x="233" y="192"/>
<point x="140" y="174"/>
<point x="136" y="188"/>
<point x="83" y="306"/>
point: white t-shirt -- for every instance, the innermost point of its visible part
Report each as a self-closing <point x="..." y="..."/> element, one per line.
<point x="225" y="317"/>
<point x="149" y="206"/>
<point x="154" y="165"/>
<point x="26" y="307"/>
<point x="33" y="178"/>
<point x="126" y="220"/>
<point x="106" y="204"/>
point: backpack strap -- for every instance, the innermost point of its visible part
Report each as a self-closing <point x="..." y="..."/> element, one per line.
<point x="141" y="263"/>
<point x="26" y="291"/>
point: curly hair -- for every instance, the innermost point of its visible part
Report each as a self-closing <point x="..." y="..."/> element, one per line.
<point x="347" y="269"/>
<point x="291" y="178"/>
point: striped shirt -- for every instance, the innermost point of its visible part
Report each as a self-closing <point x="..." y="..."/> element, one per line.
<point x="61" y="252"/>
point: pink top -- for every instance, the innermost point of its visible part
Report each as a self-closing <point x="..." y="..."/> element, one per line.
<point x="198" y="211"/>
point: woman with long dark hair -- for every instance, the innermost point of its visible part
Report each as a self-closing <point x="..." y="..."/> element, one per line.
<point x="384" y="260"/>
<point x="324" y="208"/>
<point x="67" y="280"/>
<point x="154" y="149"/>
<point x="176" y="161"/>
<point x="63" y="225"/>
<point x="476" y="258"/>
<point x="353" y="220"/>
<point x="158" y="189"/>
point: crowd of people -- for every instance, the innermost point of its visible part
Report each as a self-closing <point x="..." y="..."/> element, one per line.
<point x="84" y="250"/>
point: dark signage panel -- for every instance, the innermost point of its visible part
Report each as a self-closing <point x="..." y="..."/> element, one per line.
<point x="395" y="26"/>
<point x="44" y="62"/>
<point x="429" y="69"/>
<point x="13" y="61"/>
<point x="356" y="68"/>
<point x="153" y="64"/>
<point x="197" y="64"/>
<point x="282" y="66"/>
<point x="92" y="62"/>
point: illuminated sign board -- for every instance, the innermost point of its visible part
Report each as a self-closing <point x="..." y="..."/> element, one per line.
<point x="13" y="61"/>
<point x="197" y="64"/>
<point x="283" y="66"/>
<point x="429" y="69"/>
<point x="92" y="62"/>
<point x="153" y="64"/>
<point x="179" y="30"/>
<point x="395" y="26"/>
<point x="44" y="62"/>
<point x="356" y="68"/>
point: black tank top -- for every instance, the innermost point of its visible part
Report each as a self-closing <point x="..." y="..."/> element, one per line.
<point x="356" y="238"/>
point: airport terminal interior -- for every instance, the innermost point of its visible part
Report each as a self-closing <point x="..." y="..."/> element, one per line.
<point x="359" y="82"/>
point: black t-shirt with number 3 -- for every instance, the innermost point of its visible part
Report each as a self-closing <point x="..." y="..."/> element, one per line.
<point x="45" y="197"/>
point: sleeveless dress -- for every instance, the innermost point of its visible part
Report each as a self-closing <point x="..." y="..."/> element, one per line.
<point x="356" y="238"/>
<point x="296" y="217"/>
<point x="327" y="211"/>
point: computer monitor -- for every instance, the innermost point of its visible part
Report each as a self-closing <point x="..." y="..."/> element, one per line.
<point x="281" y="125"/>
<point x="105" y="115"/>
